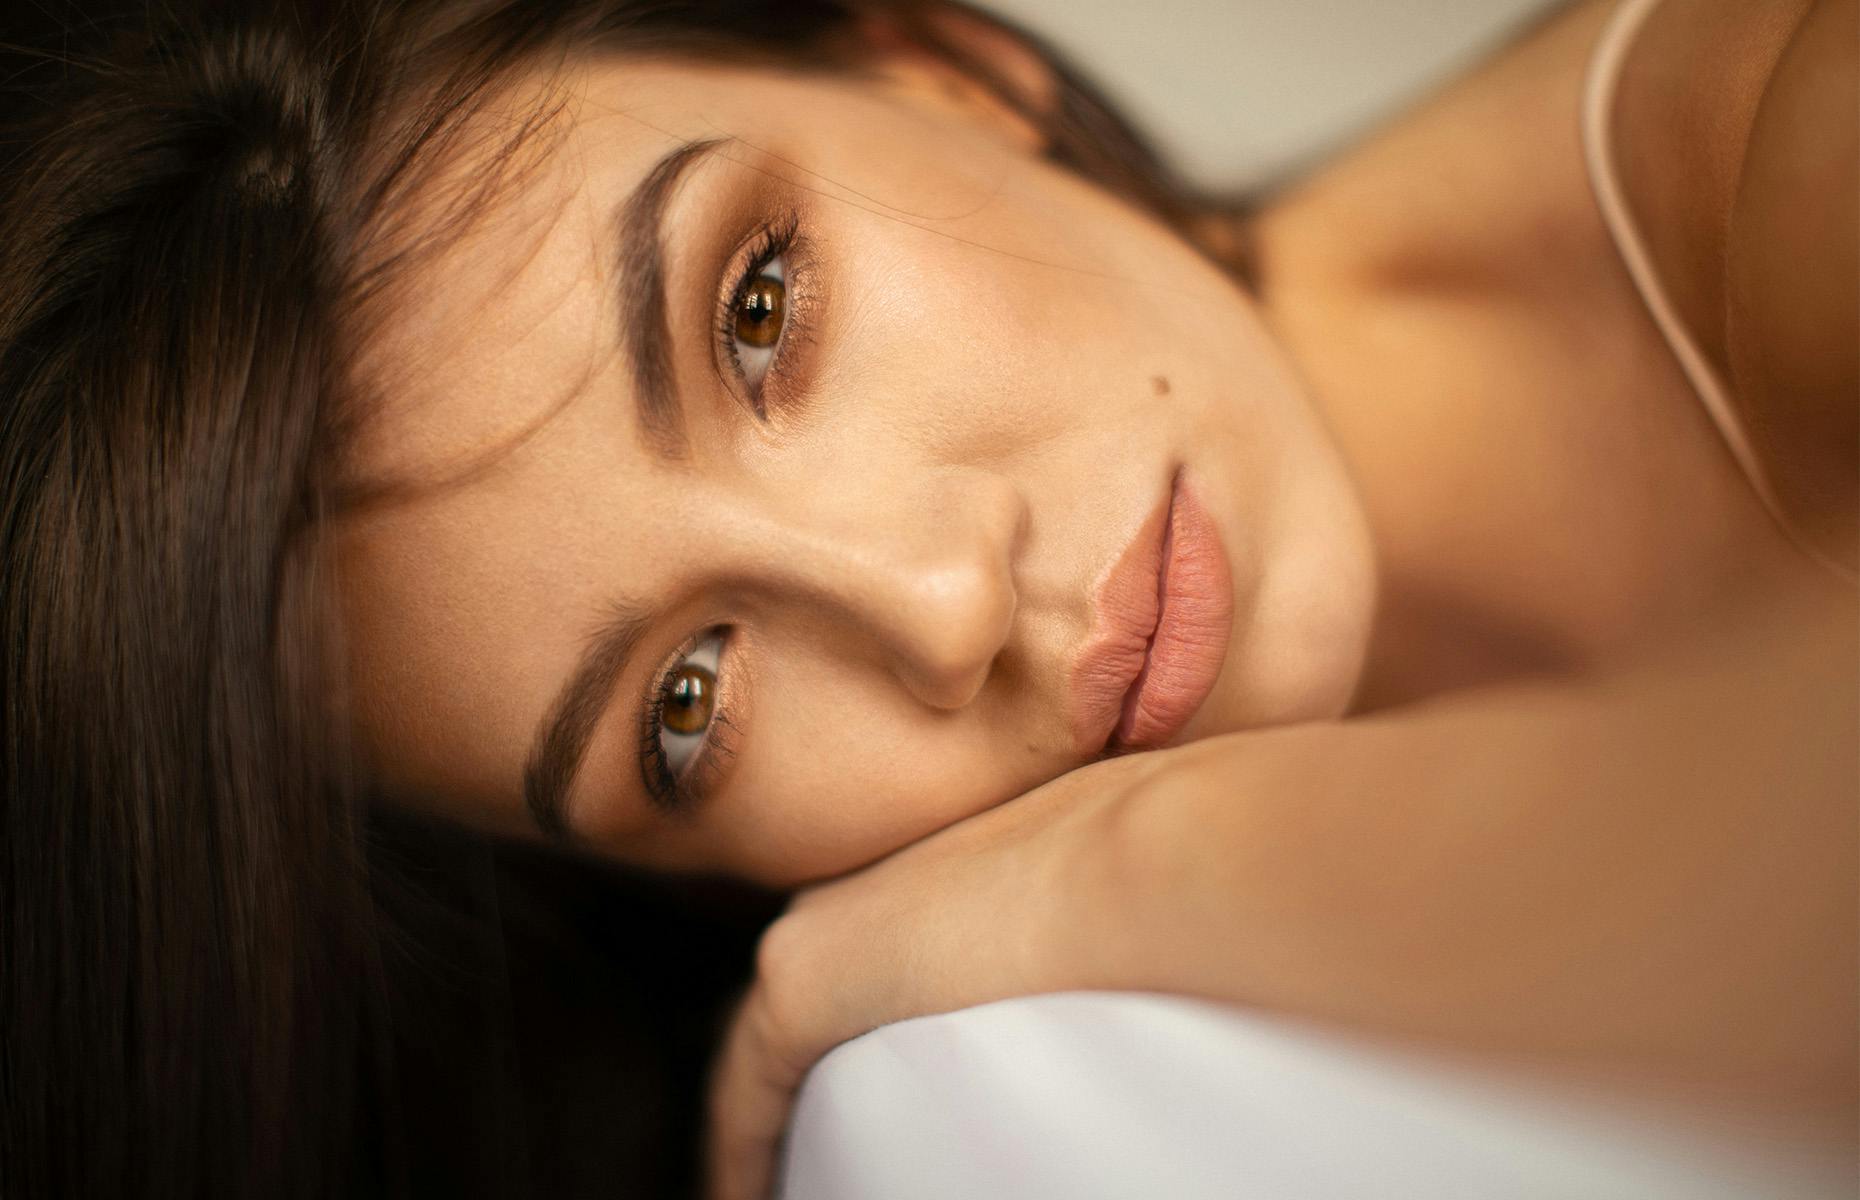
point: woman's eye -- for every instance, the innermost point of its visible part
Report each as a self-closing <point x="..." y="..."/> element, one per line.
<point x="756" y="325"/>
<point x="687" y="703"/>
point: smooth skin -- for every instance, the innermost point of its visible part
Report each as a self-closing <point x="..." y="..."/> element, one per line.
<point x="1592" y="797"/>
<point x="1001" y="371"/>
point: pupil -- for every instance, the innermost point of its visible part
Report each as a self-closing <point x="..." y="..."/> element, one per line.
<point x="687" y="708"/>
<point x="758" y="318"/>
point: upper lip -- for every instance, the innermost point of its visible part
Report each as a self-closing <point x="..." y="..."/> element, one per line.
<point x="1126" y="605"/>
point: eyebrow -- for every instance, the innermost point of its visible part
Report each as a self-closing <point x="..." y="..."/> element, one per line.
<point x="563" y="734"/>
<point x="643" y="315"/>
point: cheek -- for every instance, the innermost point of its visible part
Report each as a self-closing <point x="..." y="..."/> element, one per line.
<point x="841" y="767"/>
<point x="955" y="342"/>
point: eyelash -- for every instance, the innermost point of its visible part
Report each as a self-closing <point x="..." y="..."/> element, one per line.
<point x="670" y="792"/>
<point x="774" y="241"/>
<point x="667" y="791"/>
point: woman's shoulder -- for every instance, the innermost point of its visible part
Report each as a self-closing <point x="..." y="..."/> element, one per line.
<point x="1733" y="132"/>
<point x="1447" y="191"/>
<point x="1735" y="136"/>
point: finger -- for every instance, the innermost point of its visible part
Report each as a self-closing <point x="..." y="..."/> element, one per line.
<point x="751" y="1095"/>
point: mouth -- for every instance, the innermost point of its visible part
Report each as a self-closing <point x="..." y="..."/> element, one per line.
<point x="1162" y="619"/>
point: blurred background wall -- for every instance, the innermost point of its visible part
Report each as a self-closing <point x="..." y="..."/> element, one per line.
<point x="1240" y="92"/>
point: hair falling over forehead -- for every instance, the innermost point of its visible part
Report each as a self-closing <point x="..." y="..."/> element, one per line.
<point x="202" y="204"/>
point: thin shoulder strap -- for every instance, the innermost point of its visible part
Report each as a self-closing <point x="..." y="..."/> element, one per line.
<point x="1598" y="101"/>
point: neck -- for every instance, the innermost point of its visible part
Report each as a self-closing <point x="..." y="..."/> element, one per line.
<point x="1542" y="489"/>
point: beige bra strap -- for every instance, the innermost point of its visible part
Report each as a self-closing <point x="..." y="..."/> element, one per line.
<point x="1598" y="101"/>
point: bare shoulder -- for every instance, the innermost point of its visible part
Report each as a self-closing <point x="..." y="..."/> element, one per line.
<point x="1792" y="272"/>
<point x="1736" y="137"/>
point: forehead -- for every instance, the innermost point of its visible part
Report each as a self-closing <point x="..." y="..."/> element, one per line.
<point x="506" y="310"/>
<point x="495" y="314"/>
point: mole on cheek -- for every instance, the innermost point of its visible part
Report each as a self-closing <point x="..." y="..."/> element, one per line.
<point x="1159" y="384"/>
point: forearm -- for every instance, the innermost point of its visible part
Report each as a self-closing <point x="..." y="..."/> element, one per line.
<point x="1659" y="866"/>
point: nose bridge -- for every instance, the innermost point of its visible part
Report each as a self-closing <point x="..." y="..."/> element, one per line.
<point x="925" y="570"/>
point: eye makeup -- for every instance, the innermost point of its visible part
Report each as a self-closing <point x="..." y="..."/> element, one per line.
<point x="680" y="787"/>
<point x="778" y="234"/>
<point x="784" y="382"/>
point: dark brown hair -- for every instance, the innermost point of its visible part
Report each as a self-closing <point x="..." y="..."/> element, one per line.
<point x="192" y="214"/>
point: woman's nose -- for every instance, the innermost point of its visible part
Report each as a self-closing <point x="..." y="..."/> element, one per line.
<point x="925" y="572"/>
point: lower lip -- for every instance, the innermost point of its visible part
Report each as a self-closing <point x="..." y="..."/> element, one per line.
<point x="1190" y="642"/>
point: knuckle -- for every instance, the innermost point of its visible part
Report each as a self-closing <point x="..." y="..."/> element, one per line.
<point x="776" y="951"/>
<point x="776" y="1009"/>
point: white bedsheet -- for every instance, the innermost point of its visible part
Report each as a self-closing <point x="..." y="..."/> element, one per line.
<point x="1097" y="1095"/>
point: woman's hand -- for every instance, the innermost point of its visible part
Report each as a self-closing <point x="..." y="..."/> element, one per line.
<point x="1652" y="868"/>
<point x="983" y="910"/>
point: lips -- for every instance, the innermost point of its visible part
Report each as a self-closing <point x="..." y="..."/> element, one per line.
<point x="1163" y="616"/>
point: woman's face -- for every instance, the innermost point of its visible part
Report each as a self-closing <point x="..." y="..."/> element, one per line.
<point x="786" y="543"/>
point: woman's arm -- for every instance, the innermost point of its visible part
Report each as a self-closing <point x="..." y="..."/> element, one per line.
<point x="1653" y="869"/>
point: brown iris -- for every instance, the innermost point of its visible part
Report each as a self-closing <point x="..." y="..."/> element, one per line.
<point x="759" y="312"/>
<point x="689" y="700"/>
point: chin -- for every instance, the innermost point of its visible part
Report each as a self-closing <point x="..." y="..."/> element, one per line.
<point x="1299" y="655"/>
